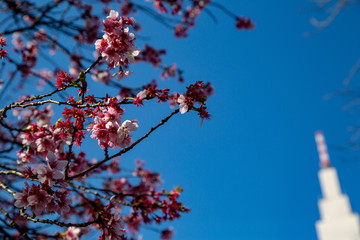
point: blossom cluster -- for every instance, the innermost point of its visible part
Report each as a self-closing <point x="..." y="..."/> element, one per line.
<point x="151" y="55"/>
<point x="151" y="91"/>
<point x="196" y="93"/>
<point x="189" y="17"/>
<point x="41" y="142"/>
<point x="2" y="44"/>
<point x="41" y="199"/>
<point x="63" y="80"/>
<point x="112" y="223"/>
<point x="108" y="129"/>
<point x="117" y="44"/>
<point x="175" y="5"/>
<point x="150" y="204"/>
<point x="244" y="23"/>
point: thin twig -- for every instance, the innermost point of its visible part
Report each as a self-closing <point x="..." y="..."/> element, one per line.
<point x="61" y="224"/>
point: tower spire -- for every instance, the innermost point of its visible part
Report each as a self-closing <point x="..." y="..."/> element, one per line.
<point x="337" y="222"/>
<point x="322" y="149"/>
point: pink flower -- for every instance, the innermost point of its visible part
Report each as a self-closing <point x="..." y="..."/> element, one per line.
<point x="117" y="45"/>
<point x="3" y="41"/>
<point x="111" y="114"/>
<point x="22" y="198"/>
<point x="44" y="143"/>
<point x="109" y="131"/>
<point x="124" y="139"/>
<point x="26" y="156"/>
<point x="122" y="74"/>
<point x="73" y="233"/>
<point x="113" y="128"/>
<point x="39" y="201"/>
<point x="183" y="106"/>
<point x="139" y="97"/>
<point x="141" y="94"/>
<point x="51" y="171"/>
<point x="63" y="202"/>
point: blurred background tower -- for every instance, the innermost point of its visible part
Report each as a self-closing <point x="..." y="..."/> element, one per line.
<point x="337" y="220"/>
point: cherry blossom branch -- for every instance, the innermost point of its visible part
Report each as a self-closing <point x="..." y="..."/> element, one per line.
<point x="224" y="9"/>
<point x="7" y="168"/>
<point x="125" y="149"/>
<point x="20" y="104"/>
<point x="17" y="104"/>
<point x="55" y="222"/>
<point x="13" y="172"/>
<point x="98" y="194"/>
<point x="77" y="105"/>
<point x="3" y="186"/>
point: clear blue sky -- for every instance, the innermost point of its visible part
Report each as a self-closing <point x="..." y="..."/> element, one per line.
<point x="251" y="172"/>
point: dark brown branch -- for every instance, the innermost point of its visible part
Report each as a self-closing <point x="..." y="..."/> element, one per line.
<point x="55" y="222"/>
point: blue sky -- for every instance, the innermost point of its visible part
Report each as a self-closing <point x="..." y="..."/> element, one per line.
<point x="251" y="171"/>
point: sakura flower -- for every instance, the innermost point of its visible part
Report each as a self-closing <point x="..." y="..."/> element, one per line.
<point x="113" y="15"/>
<point x="124" y="139"/>
<point x="111" y="114"/>
<point x="183" y="106"/>
<point x="26" y="156"/>
<point x="117" y="44"/>
<point x="44" y="143"/>
<point x="46" y="174"/>
<point x="244" y="23"/>
<point x="63" y="202"/>
<point x="60" y="138"/>
<point x="22" y="197"/>
<point x="21" y="201"/>
<point x="141" y="94"/>
<point x="113" y="223"/>
<point x="139" y="97"/>
<point x="112" y="128"/>
<point x="73" y="233"/>
<point x="51" y="171"/>
<point x="122" y="74"/>
<point x="108" y="129"/>
<point x="39" y="201"/>
<point x="129" y="125"/>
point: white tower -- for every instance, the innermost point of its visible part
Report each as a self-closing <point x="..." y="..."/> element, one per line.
<point x="337" y="220"/>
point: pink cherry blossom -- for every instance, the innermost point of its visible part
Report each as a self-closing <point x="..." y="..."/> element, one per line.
<point x="22" y="197"/>
<point x="38" y="201"/>
<point x="73" y="233"/>
<point x="183" y="106"/>
<point x="46" y="173"/>
<point x="117" y="45"/>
